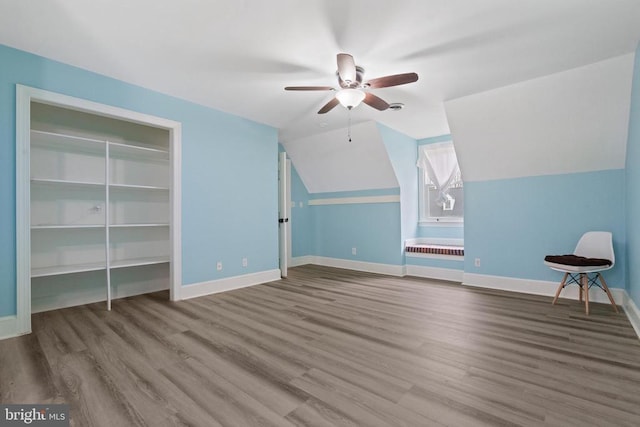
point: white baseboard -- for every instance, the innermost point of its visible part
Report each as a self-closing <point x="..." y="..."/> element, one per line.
<point x="633" y="313"/>
<point x="369" y="267"/>
<point x="8" y="327"/>
<point x="434" y="273"/>
<point x="301" y="260"/>
<point x="228" y="284"/>
<point x="539" y="287"/>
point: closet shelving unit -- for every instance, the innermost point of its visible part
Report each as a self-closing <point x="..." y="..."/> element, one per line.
<point x="97" y="205"/>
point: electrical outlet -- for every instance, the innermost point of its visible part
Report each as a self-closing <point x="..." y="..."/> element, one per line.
<point x="354" y="251"/>
<point x="245" y="262"/>
<point x="219" y="266"/>
<point x="300" y="204"/>
<point x="477" y="262"/>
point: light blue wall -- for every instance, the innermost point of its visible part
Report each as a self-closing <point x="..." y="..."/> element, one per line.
<point x="302" y="219"/>
<point x="372" y="228"/>
<point x="439" y="231"/>
<point x="403" y="154"/>
<point x="376" y="230"/>
<point x="512" y="224"/>
<point x="633" y="188"/>
<point x="229" y="171"/>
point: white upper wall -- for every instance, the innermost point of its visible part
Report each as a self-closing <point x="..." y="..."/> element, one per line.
<point x="328" y="162"/>
<point x="573" y="121"/>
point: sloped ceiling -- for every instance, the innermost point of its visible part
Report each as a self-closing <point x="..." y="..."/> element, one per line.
<point x="573" y="121"/>
<point x="328" y="162"/>
<point x="237" y="55"/>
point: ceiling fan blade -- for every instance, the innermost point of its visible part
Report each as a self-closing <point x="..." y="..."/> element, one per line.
<point x="394" y="80"/>
<point x="375" y="102"/>
<point x="346" y="68"/>
<point x="329" y="106"/>
<point x="308" y="88"/>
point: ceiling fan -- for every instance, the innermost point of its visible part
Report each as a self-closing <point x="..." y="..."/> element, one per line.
<point x="353" y="90"/>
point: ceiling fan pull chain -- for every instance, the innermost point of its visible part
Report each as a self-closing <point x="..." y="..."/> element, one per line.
<point x="349" y="125"/>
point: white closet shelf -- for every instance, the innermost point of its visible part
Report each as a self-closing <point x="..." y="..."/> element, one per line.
<point x="135" y="262"/>
<point x="50" y="140"/>
<point x="104" y="179"/>
<point x="136" y="187"/>
<point x="67" y="269"/>
<point x="66" y="226"/>
<point x="46" y="181"/>
<point x="159" y="224"/>
<point x="117" y="148"/>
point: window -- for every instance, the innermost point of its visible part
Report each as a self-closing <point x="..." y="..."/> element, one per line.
<point x="441" y="186"/>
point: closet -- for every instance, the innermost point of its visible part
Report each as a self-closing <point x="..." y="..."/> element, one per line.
<point x="100" y="206"/>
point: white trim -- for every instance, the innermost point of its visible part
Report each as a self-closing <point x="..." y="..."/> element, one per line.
<point x="369" y="267"/>
<point x="442" y="222"/>
<point x="284" y="213"/>
<point x="23" y="210"/>
<point x="435" y="273"/>
<point x="8" y="327"/>
<point x="633" y="313"/>
<point x="175" y="267"/>
<point x="301" y="260"/>
<point x="439" y="144"/>
<point x="391" y="198"/>
<point x="227" y="284"/>
<point x="538" y="287"/>
<point x="24" y="96"/>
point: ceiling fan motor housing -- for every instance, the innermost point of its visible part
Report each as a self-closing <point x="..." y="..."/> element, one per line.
<point x="352" y="85"/>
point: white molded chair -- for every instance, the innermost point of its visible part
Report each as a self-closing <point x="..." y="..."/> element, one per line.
<point x="593" y="254"/>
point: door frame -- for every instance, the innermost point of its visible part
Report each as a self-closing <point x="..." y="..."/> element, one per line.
<point x="25" y="95"/>
<point x="284" y="204"/>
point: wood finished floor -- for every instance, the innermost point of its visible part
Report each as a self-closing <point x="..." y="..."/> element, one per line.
<point x="330" y="347"/>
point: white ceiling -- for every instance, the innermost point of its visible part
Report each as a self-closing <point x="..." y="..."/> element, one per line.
<point x="568" y="122"/>
<point x="237" y="55"/>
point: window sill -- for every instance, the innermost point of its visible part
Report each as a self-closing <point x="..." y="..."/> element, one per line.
<point x="441" y="223"/>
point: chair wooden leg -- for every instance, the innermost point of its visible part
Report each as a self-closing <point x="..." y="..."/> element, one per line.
<point x="584" y="285"/>
<point x="580" y="289"/>
<point x="564" y="279"/>
<point x="606" y="289"/>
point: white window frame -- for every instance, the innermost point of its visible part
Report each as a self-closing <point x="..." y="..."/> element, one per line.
<point x="423" y="219"/>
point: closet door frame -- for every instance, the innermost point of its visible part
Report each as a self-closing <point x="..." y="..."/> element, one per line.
<point x="25" y="95"/>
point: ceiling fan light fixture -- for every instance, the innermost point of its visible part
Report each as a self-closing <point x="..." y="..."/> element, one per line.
<point x="350" y="98"/>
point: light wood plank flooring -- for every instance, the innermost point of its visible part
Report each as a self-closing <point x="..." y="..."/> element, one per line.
<point x="330" y="347"/>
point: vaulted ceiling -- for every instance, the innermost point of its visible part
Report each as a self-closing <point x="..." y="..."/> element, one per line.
<point x="237" y="55"/>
